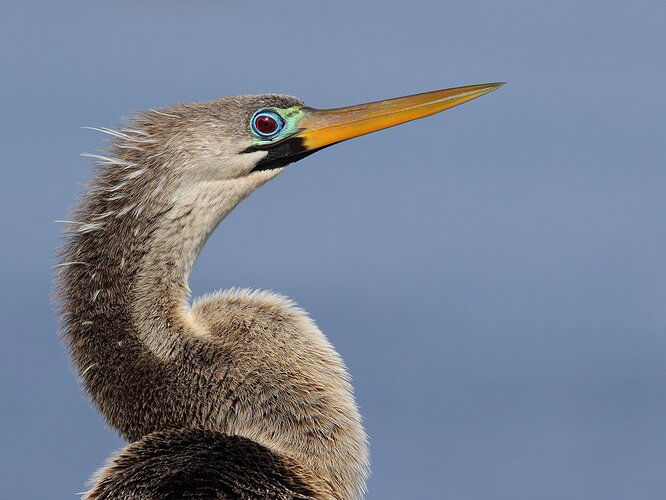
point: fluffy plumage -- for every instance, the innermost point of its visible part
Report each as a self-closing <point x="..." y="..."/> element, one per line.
<point x="240" y="363"/>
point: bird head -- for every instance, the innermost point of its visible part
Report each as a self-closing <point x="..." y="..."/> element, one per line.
<point x="236" y="137"/>
<point x="208" y="156"/>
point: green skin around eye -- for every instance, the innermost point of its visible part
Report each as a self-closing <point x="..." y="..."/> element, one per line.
<point x="291" y="116"/>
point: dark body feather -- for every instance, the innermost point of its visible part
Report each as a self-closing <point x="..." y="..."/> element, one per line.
<point x="199" y="464"/>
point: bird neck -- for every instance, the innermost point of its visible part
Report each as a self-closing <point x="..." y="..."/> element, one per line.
<point x="160" y="299"/>
<point x="136" y="256"/>
<point x="151" y="362"/>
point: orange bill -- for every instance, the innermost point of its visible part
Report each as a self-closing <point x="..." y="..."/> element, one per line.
<point x="320" y="128"/>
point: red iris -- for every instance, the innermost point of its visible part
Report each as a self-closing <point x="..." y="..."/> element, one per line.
<point x="265" y="124"/>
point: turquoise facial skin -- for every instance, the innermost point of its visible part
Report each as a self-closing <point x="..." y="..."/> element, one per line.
<point x="290" y="118"/>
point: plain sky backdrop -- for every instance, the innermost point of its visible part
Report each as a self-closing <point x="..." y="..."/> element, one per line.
<point x="493" y="276"/>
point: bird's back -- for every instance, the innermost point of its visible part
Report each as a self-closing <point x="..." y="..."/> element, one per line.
<point x="201" y="464"/>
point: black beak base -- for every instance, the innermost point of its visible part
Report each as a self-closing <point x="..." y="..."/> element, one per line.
<point x="281" y="153"/>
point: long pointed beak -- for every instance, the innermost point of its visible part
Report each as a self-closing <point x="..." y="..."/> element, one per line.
<point x="320" y="128"/>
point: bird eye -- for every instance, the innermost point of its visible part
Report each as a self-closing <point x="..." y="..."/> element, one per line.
<point x="266" y="123"/>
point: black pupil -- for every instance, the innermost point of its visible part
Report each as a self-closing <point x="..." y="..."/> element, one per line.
<point x="265" y="124"/>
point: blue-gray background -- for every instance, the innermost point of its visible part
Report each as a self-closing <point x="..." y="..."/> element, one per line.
<point x="493" y="276"/>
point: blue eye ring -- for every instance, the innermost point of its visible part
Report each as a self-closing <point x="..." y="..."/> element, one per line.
<point x="266" y="123"/>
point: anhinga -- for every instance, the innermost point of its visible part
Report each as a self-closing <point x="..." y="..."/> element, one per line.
<point x="238" y="395"/>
